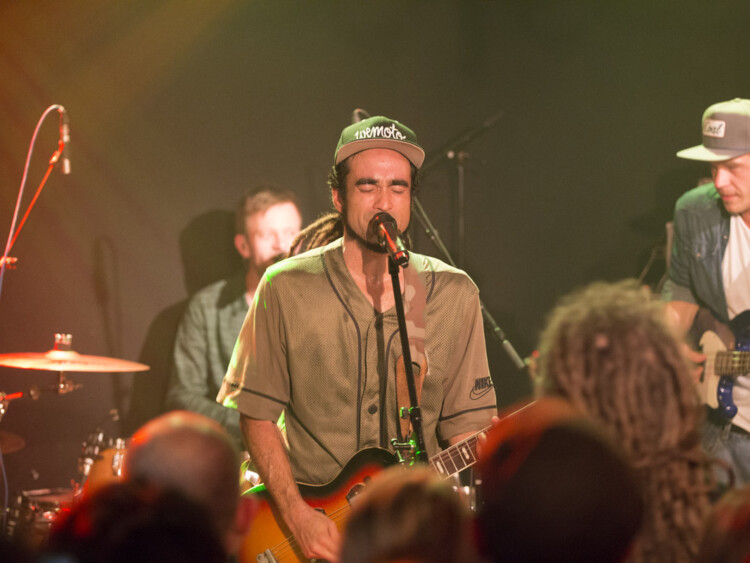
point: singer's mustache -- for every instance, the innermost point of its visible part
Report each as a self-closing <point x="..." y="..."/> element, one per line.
<point x="377" y="219"/>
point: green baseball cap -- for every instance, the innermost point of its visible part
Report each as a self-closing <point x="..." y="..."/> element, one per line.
<point x="379" y="132"/>
<point x="726" y="132"/>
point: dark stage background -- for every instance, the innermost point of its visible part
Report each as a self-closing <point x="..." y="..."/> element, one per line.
<point x="177" y="107"/>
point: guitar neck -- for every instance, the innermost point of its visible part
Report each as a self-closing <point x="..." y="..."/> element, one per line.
<point x="732" y="363"/>
<point x="457" y="457"/>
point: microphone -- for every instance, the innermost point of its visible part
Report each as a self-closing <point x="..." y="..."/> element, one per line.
<point x="359" y="115"/>
<point x="384" y="227"/>
<point x="65" y="140"/>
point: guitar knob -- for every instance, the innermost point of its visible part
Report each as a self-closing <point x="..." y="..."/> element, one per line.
<point x="729" y="411"/>
<point x="724" y="396"/>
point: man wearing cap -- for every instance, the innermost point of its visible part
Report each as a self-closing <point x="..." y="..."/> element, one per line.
<point x="710" y="265"/>
<point x="321" y="340"/>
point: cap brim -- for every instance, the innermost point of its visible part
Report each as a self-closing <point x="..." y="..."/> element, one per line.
<point x="413" y="153"/>
<point x="710" y="155"/>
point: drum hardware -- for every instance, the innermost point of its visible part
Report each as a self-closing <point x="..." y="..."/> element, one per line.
<point x="91" y="452"/>
<point x="9" y="443"/>
<point x="5" y="399"/>
<point x="95" y="443"/>
<point x="104" y="467"/>
<point x="97" y="449"/>
<point x="31" y="509"/>
<point x="118" y="457"/>
<point x="9" y="261"/>
<point x="32" y="513"/>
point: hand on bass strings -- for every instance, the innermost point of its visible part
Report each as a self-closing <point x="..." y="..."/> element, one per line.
<point x="696" y="360"/>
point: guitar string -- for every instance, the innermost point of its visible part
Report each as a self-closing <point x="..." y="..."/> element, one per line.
<point x="734" y="362"/>
<point x="447" y="455"/>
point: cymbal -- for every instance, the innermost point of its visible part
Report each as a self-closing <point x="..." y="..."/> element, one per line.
<point x="10" y="443"/>
<point x="68" y="360"/>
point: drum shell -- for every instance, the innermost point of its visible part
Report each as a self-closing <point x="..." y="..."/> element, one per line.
<point x="106" y="469"/>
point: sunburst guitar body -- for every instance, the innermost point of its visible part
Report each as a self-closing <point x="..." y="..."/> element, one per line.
<point x="270" y="540"/>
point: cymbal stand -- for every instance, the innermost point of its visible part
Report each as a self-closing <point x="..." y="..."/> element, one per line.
<point x="63" y="385"/>
<point x="5" y="399"/>
<point x="64" y="343"/>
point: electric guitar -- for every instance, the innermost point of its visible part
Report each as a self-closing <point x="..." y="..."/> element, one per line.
<point x="723" y="366"/>
<point x="269" y="539"/>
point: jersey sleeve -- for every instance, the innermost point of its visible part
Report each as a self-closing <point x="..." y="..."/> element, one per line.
<point x="257" y="381"/>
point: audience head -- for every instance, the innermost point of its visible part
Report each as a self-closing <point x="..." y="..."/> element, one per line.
<point x="193" y="454"/>
<point x="407" y="515"/>
<point x="609" y="351"/>
<point x="555" y="489"/>
<point x="727" y="535"/>
<point x="124" y="522"/>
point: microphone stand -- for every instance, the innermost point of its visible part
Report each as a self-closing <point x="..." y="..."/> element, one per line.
<point x="453" y="151"/>
<point x="415" y="411"/>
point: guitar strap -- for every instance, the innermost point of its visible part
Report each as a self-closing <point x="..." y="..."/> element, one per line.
<point x="415" y="302"/>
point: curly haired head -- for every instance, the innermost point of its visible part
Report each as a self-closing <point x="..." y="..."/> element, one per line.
<point x="608" y="349"/>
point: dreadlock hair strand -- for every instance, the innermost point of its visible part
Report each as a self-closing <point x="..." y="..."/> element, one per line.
<point x="323" y="230"/>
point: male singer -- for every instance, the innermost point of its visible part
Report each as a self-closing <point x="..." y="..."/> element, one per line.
<point x="321" y="340"/>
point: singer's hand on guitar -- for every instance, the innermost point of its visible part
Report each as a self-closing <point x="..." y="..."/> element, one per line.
<point x="696" y="359"/>
<point x="316" y="533"/>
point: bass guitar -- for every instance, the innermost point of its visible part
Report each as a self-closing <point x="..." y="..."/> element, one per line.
<point x="269" y="539"/>
<point x="723" y="366"/>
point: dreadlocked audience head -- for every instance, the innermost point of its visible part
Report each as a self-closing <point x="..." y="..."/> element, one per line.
<point x="608" y="350"/>
<point x="555" y="489"/>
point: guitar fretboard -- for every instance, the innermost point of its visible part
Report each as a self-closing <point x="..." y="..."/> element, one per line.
<point x="457" y="457"/>
<point x="732" y="363"/>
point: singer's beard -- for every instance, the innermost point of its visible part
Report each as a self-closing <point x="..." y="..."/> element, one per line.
<point x="363" y="242"/>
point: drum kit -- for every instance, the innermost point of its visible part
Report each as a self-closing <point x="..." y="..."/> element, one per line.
<point x="31" y="513"/>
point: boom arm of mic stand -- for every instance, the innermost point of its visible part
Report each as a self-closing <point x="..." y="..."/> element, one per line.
<point x="489" y="322"/>
<point x="450" y="149"/>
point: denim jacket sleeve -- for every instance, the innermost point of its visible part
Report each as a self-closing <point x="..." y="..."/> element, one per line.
<point x="701" y="231"/>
